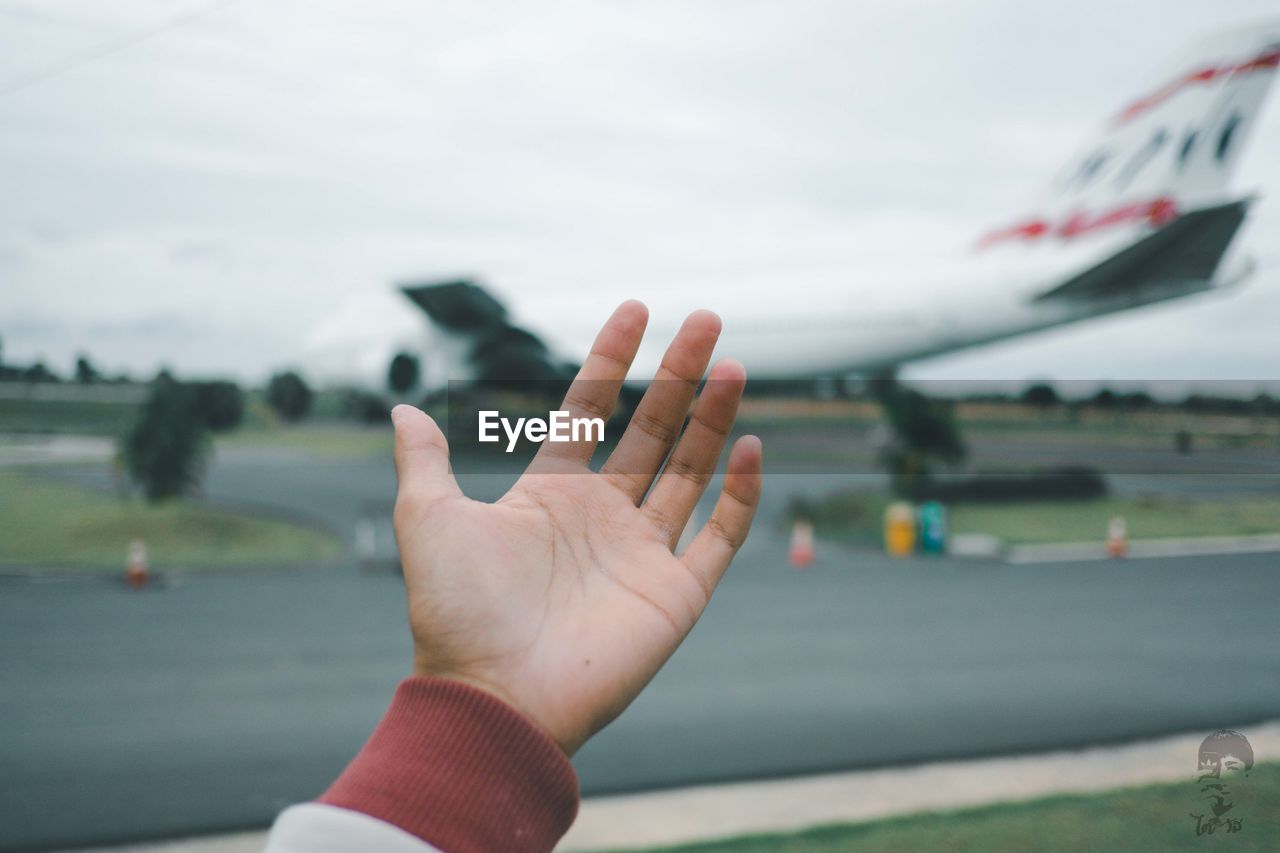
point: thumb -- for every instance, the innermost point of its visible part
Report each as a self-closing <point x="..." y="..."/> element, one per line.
<point x="422" y="455"/>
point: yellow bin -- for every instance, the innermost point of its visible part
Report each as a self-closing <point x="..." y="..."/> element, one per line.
<point x="899" y="529"/>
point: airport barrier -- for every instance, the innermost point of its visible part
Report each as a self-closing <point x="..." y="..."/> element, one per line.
<point x="374" y="538"/>
<point x="136" y="571"/>
<point x="1117" y="537"/>
<point x="801" y="551"/>
<point x="899" y="529"/>
<point x="933" y="528"/>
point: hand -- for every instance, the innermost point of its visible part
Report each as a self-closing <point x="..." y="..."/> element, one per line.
<point x="565" y="597"/>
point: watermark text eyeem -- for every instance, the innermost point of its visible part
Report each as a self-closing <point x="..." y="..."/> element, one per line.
<point x="558" y="427"/>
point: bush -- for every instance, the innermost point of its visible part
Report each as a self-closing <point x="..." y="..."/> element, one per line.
<point x="847" y="509"/>
<point x="1265" y="404"/>
<point x="1138" y="400"/>
<point x="1041" y="395"/>
<point x="1051" y="484"/>
<point x="165" y="450"/>
<point x="365" y="407"/>
<point x="290" y="396"/>
<point x="38" y="372"/>
<point x="1212" y="404"/>
<point x="219" y="403"/>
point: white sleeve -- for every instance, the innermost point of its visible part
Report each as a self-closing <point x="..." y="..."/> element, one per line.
<point x="317" y="828"/>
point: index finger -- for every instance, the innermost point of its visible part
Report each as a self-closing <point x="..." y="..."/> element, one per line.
<point x="594" y="391"/>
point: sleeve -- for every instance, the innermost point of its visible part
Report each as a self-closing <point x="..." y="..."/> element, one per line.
<point x="449" y="768"/>
<point x="317" y="828"/>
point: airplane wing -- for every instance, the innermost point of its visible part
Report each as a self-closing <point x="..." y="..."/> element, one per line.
<point x="481" y="340"/>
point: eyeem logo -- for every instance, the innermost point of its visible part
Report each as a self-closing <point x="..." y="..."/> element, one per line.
<point x="558" y="427"/>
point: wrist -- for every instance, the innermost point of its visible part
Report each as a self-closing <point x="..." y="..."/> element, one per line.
<point x="568" y="744"/>
<point x="462" y="769"/>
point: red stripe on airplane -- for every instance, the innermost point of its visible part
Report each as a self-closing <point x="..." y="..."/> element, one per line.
<point x="1266" y="61"/>
<point x="1157" y="212"/>
<point x="1032" y="229"/>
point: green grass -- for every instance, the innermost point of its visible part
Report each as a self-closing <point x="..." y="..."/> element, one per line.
<point x="1146" y="518"/>
<point x="853" y="516"/>
<point x="1155" y="817"/>
<point x="859" y="518"/>
<point x="332" y="440"/>
<point x="66" y="416"/>
<point x="49" y="524"/>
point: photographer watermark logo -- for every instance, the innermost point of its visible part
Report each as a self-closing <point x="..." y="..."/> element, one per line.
<point x="1224" y="762"/>
<point x="558" y="426"/>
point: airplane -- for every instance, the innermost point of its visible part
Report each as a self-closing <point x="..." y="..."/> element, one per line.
<point x="1142" y="215"/>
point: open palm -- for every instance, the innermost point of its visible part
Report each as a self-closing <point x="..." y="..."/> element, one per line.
<point x="565" y="597"/>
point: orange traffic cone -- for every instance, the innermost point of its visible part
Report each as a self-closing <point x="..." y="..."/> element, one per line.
<point x="136" y="573"/>
<point x="1117" y="537"/>
<point x="801" y="552"/>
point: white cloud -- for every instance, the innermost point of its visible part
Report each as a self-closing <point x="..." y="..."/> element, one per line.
<point x="244" y="175"/>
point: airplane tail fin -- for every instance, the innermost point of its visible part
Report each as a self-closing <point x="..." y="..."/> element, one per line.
<point x="1170" y="149"/>
<point x="1176" y="260"/>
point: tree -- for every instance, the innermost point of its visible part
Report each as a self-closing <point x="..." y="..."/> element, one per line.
<point x="1041" y="395"/>
<point x="924" y="432"/>
<point x="289" y="394"/>
<point x="1137" y="400"/>
<point x="165" y="450"/>
<point x="403" y="373"/>
<point x="220" y="404"/>
<point x="1106" y="399"/>
<point x="7" y="372"/>
<point x="38" y="372"/>
<point x="86" y="374"/>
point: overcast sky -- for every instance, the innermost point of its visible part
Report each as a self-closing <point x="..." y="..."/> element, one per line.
<point x="210" y="197"/>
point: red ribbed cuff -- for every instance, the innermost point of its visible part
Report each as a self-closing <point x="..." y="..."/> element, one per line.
<point x="461" y="770"/>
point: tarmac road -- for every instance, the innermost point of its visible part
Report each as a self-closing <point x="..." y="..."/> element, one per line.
<point x="211" y="704"/>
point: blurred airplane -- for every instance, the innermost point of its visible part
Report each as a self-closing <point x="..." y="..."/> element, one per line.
<point x="1143" y="215"/>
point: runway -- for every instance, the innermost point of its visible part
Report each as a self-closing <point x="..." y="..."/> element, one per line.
<point x="212" y="704"/>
